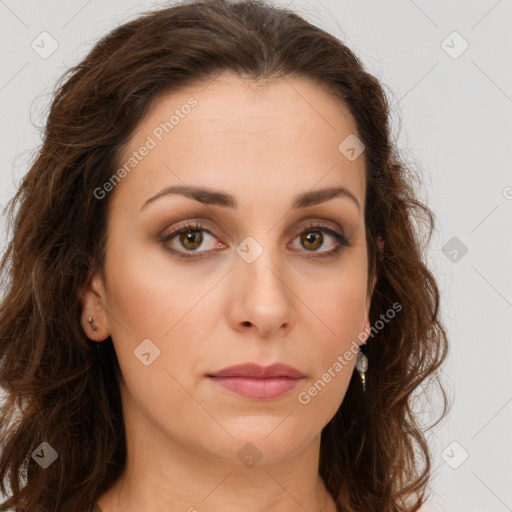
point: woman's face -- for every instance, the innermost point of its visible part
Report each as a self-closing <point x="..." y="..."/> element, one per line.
<point x="260" y="278"/>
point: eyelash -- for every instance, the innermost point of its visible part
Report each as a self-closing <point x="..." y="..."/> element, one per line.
<point x="340" y="238"/>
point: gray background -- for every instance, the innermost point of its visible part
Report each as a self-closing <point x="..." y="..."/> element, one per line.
<point x="455" y="111"/>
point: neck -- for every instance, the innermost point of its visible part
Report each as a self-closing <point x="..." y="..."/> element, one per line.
<point x="163" y="474"/>
<point x="166" y="472"/>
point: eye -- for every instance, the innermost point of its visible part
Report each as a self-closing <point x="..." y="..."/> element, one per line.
<point x="190" y="237"/>
<point x="312" y="238"/>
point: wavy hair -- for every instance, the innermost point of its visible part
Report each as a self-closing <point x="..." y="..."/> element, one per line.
<point x="63" y="389"/>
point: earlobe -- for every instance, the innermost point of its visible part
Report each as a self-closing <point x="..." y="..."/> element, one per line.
<point x="94" y="320"/>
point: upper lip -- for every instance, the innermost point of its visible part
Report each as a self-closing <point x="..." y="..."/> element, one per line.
<point x="257" y="371"/>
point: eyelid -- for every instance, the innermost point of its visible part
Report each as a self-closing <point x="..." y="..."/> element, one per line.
<point x="316" y="223"/>
<point x="205" y="225"/>
<point x="199" y="224"/>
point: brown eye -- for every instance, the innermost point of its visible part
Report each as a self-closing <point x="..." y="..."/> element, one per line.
<point x="191" y="240"/>
<point x="312" y="239"/>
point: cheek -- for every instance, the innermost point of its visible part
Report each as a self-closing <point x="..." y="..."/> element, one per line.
<point x="341" y="310"/>
<point x="152" y="298"/>
<point x="146" y="288"/>
<point x="338" y="320"/>
<point x="340" y="302"/>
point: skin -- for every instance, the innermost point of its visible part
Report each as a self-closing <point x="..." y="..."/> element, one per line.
<point x="263" y="144"/>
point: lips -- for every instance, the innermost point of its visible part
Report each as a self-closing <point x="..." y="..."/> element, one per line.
<point x="257" y="371"/>
<point x="253" y="381"/>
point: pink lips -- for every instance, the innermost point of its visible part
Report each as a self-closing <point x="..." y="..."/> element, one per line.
<point x="257" y="382"/>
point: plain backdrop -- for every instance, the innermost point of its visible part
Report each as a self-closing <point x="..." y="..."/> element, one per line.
<point x="446" y="68"/>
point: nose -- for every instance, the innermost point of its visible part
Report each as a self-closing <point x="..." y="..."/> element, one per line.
<point x="261" y="295"/>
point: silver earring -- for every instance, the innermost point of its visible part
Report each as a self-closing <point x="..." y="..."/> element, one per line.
<point x="93" y="327"/>
<point x="362" y="366"/>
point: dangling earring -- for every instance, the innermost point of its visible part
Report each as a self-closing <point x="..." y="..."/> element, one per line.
<point x="93" y="327"/>
<point x="362" y="366"/>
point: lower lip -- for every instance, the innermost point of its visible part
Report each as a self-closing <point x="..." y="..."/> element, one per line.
<point x="258" y="388"/>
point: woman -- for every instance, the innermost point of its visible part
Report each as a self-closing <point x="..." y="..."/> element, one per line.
<point x="216" y="296"/>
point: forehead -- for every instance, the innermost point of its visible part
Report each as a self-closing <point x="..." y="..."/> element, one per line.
<point x="283" y="134"/>
<point x="230" y="101"/>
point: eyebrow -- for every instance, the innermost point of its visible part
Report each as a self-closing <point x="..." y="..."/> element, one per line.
<point x="218" y="198"/>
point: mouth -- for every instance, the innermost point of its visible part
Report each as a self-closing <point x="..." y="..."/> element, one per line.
<point x="257" y="382"/>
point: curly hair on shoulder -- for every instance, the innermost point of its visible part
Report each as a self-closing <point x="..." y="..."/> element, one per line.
<point x="64" y="390"/>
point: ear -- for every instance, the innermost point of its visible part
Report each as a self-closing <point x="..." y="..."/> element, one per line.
<point x="370" y="295"/>
<point x="92" y="297"/>
<point x="366" y="322"/>
<point x="380" y="243"/>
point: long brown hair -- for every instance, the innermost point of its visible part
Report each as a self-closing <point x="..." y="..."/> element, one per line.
<point x="63" y="389"/>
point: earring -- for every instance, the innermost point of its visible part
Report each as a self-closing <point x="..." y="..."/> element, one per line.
<point x="362" y="366"/>
<point x="93" y="327"/>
